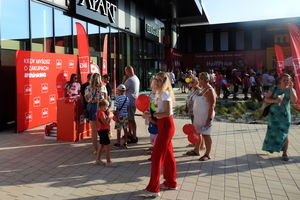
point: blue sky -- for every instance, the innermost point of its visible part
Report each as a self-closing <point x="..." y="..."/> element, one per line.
<point x="225" y="11"/>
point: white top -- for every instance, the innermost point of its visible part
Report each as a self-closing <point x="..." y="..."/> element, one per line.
<point x="200" y="110"/>
<point x="265" y="79"/>
<point x="74" y="89"/>
<point x="172" y="77"/>
<point x="160" y="98"/>
<point x="252" y="81"/>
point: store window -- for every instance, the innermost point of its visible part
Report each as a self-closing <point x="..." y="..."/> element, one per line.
<point x="94" y="42"/>
<point x="14" y="29"/>
<point x="94" y="38"/>
<point x="41" y="27"/>
<point x="63" y="32"/>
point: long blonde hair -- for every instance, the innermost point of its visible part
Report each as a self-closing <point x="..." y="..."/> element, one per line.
<point x="96" y="80"/>
<point x="166" y="85"/>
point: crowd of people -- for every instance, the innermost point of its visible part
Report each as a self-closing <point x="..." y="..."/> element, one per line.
<point x="229" y="83"/>
<point x="203" y="90"/>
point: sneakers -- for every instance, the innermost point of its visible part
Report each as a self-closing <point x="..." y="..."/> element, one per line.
<point x="132" y="139"/>
<point x="146" y="193"/>
<point x="125" y="146"/>
<point x="99" y="162"/>
<point x="163" y="187"/>
<point x="110" y="164"/>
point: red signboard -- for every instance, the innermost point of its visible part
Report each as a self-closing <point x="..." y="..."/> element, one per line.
<point x="253" y="59"/>
<point x="40" y="82"/>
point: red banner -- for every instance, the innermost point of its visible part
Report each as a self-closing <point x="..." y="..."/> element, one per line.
<point x="279" y="58"/>
<point x="115" y="66"/>
<point x="83" y="52"/>
<point x="40" y="82"/>
<point x="105" y="54"/>
<point x="295" y="48"/>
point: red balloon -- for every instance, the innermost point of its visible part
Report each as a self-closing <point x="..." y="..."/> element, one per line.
<point x="193" y="138"/>
<point x="114" y="118"/>
<point x="188" y="129"/>
<point x="142" y="102"/>
<point x="228" y="85"/>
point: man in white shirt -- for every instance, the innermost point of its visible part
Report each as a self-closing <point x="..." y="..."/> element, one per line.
<point x="172" y="78"/>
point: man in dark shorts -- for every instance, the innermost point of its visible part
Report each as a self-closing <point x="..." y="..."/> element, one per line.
<point x="132" y="90"/>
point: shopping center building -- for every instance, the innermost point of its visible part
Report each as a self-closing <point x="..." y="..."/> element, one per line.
<point x="145" y="31"/>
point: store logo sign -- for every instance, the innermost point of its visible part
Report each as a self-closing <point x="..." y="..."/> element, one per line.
<point x="28" y="116"/>
<point x="27" y="89"/>
<point x="71" y="64"/>
<point x="44" y="87"/>
<point x="36" y="101"/>
<point x="102" y="7"/>
<point x="52" y="99"/>
<point x="45" y="113"/>
<point x="58" y="63"/>
<point x="152" y="30"/>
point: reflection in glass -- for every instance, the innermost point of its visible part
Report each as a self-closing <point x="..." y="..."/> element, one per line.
<point x="41" y="27"/>
<point x="63" y="33"/>
<point x="94" y="38"/>
<point x="14" y="29"/>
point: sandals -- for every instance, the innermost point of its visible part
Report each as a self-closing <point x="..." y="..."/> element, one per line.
<point x="204" y="158"/>
<point x="285" y="157"/>
<point x="192" y="153"/>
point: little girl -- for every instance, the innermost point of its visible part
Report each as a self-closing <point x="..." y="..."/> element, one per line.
<point x="103" y="122"/>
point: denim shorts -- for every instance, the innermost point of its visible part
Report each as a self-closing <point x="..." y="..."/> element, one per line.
<point x="131" y="109"/>
<point x="91" y="110"/>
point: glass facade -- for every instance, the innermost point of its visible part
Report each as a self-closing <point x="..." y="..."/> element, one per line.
<point x="41" y="27"/>
<point x="63" y="32"/>
<point x="46" y="28"/>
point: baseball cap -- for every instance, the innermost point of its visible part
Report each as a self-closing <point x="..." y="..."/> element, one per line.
<point x="121" y="87"/>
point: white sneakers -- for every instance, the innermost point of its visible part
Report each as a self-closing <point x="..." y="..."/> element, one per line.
<point x="146" y="193"/>
<point x="108" y="164"/>
<point x="163" y="187"/>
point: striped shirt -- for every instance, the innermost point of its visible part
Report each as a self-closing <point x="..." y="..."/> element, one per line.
<point x="118" y="104"/>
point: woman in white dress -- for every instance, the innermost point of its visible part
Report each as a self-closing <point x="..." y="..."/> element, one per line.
<point x="203" y="110"/>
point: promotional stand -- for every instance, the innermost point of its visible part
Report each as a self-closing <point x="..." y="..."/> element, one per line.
<point x="71" y="123"/>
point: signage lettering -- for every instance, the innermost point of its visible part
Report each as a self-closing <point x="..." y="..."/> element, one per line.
<point x="152" y="30"/>
<point x="103" y="7"/>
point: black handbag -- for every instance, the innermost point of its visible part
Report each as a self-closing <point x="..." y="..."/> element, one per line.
<point x="265" y="108"/>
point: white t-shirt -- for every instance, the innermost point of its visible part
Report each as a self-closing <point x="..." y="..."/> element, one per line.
<point x="102" y="91"/>
<point x="252" y="81"/>
<point x="74" y="89"/>
<point x="172" y="77"/>
<point x="160" y="98"/>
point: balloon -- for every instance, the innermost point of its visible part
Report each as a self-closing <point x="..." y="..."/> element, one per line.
<point x="228" y="85"/>
<point x="114" y="117"/>
<point x="142" y="102"/>
<point x="152" y="105"/>
<point x="188" y="129"/>
<point x="187" y="80"/>
<point x="193" y="138"/>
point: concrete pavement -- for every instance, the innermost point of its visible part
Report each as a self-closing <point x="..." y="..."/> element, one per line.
<point x="34" y="168"/>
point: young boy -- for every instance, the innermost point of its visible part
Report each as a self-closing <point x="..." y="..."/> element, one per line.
<point x="103" y="123"/>
<point x="121" y="113"/>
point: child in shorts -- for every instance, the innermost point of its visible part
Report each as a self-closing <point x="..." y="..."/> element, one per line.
<point x="103" y="124"/>
<point x="121" y="104"/>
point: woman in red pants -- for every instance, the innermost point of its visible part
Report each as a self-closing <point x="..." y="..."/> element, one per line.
<point x="162" y="154"/>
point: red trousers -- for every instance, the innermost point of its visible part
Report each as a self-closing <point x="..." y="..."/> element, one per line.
<point x="162" y="155"/>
